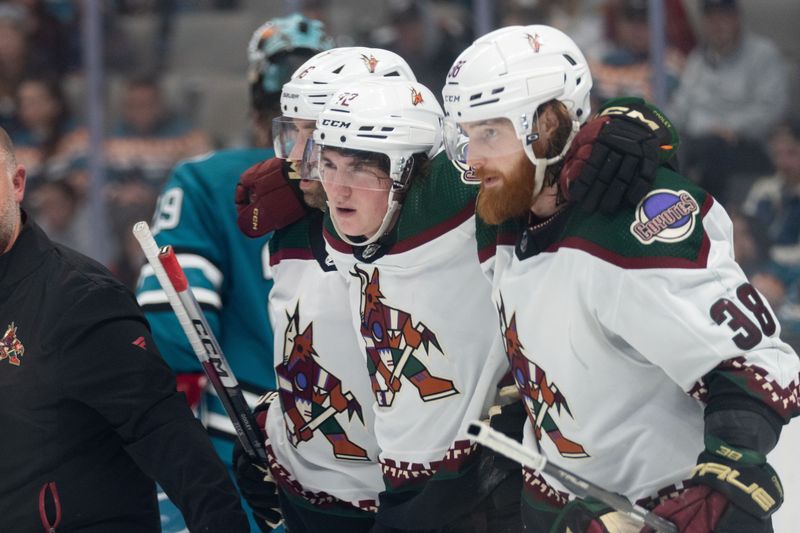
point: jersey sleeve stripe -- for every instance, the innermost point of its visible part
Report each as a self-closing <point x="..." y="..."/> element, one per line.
<point x="203" y="296"/>
<point x="211" y="272"/>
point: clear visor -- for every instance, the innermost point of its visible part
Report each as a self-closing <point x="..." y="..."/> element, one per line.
<point x="470" y="143"/>
<point x="289" y="136"/>
<point x="335" y="168"/>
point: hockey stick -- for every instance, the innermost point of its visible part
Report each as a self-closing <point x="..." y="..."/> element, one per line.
<point x="515" y="451"/>
<point x="172" y="279"/>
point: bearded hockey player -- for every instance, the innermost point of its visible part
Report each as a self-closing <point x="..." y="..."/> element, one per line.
<point x="228" y="272"/>
<point x="648" y="363"/>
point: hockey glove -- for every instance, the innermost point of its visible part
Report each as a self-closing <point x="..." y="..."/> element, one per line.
<point x="507" y="417"/>
<point x="255" y="481"/>
<point x="614" y="157"/>
<point x="266" y="199"/>
<point x="592" y="516"/>
<point x="192" y="385"/>
<point x="733" y="491"/>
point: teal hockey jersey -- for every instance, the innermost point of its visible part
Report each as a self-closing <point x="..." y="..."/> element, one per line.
<point x="229" y="275"/>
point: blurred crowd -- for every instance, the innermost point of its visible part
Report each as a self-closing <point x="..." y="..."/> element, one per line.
<point x="727" y="89"/>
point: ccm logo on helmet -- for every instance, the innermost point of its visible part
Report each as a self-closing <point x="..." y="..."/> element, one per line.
<point x="335" y="123"/>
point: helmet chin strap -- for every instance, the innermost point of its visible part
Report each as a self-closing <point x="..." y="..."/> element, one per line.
<point x="542" y="163"/>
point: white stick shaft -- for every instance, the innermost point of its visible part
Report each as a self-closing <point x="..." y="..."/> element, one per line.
<point x="515" y="451"/>
<point x="141" y="231"/>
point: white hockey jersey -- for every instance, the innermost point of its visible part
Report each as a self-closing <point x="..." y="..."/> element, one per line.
<point x="611" y="325"/>
<point x="320" y="435"/>
<point x="423" y="308"/>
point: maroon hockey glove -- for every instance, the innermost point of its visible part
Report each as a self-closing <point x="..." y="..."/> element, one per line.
<point x="726" y="497"/>
<point x="266" y="199"/>
<point x="614" y="157"/>
<point x="255" y="482"/>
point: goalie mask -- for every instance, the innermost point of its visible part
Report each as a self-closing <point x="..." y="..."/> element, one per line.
<point x="504" y="77"/>
<point x="381" y="120"/>
<point x="314" y="82"/>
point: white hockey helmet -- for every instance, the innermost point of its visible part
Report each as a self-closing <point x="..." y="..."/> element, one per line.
<point x="314" y="82"/>
<point x="398" y="118"/>
<point x="509" y="73"/>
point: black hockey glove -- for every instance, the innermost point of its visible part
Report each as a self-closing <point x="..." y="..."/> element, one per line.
<point x="507" y="417"/>
<point x="613" y="159"/>
<point x="255" y="481"/>
<point x="591" y="516"/>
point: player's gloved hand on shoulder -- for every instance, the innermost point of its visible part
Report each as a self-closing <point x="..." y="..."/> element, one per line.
<point x="733" y="490"/>
<point x="254" y="479"/>
<point x="266" y="199"/>
<point x="613" y="159"/>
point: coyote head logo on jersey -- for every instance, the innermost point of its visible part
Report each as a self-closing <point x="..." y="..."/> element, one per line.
<point x="311" y="396"/>
<point x="10" y="346"/>
<point x="541" y="395"/>
<point x="393" y="343"/>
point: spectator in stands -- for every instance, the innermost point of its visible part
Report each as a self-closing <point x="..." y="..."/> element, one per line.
<point x="47" y="37"/>
<point x="48" y="139"/>
<point x="150" y="137"/>
<point x="14" y="53"/>
<point x="55" y="204"/>
<point x="774" y="201"/>
<point x="732" y="93"/>
<point x="428" y="44"/>
<point x="581" y="19"/>
<point x="625" y="70"/>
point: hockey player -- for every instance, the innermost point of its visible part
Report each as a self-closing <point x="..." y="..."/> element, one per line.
<point x="320" y="442"/>
<point x="229" y="273"/>
<point x="404" y="231"/>
<point x="647" y="362"/>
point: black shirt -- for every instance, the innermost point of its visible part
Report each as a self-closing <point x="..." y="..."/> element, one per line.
<point x="89" y="414"/>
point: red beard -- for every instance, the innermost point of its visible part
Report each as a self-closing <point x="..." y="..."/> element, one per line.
<point x="514" y="196"/>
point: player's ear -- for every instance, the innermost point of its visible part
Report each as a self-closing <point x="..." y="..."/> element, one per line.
<point x="548" y="120"/>
<point x="18" y="182"/>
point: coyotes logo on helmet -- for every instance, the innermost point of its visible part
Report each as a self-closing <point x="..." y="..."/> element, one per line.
<point x="535" y="41"/>
<point x="11" y="347"/>
<point x="416" y="96"/>
<point x="311" y="396"/>
<point x="541" y="396"/>
<point x="370" y="62"/>
<point x="393" y="343"/>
